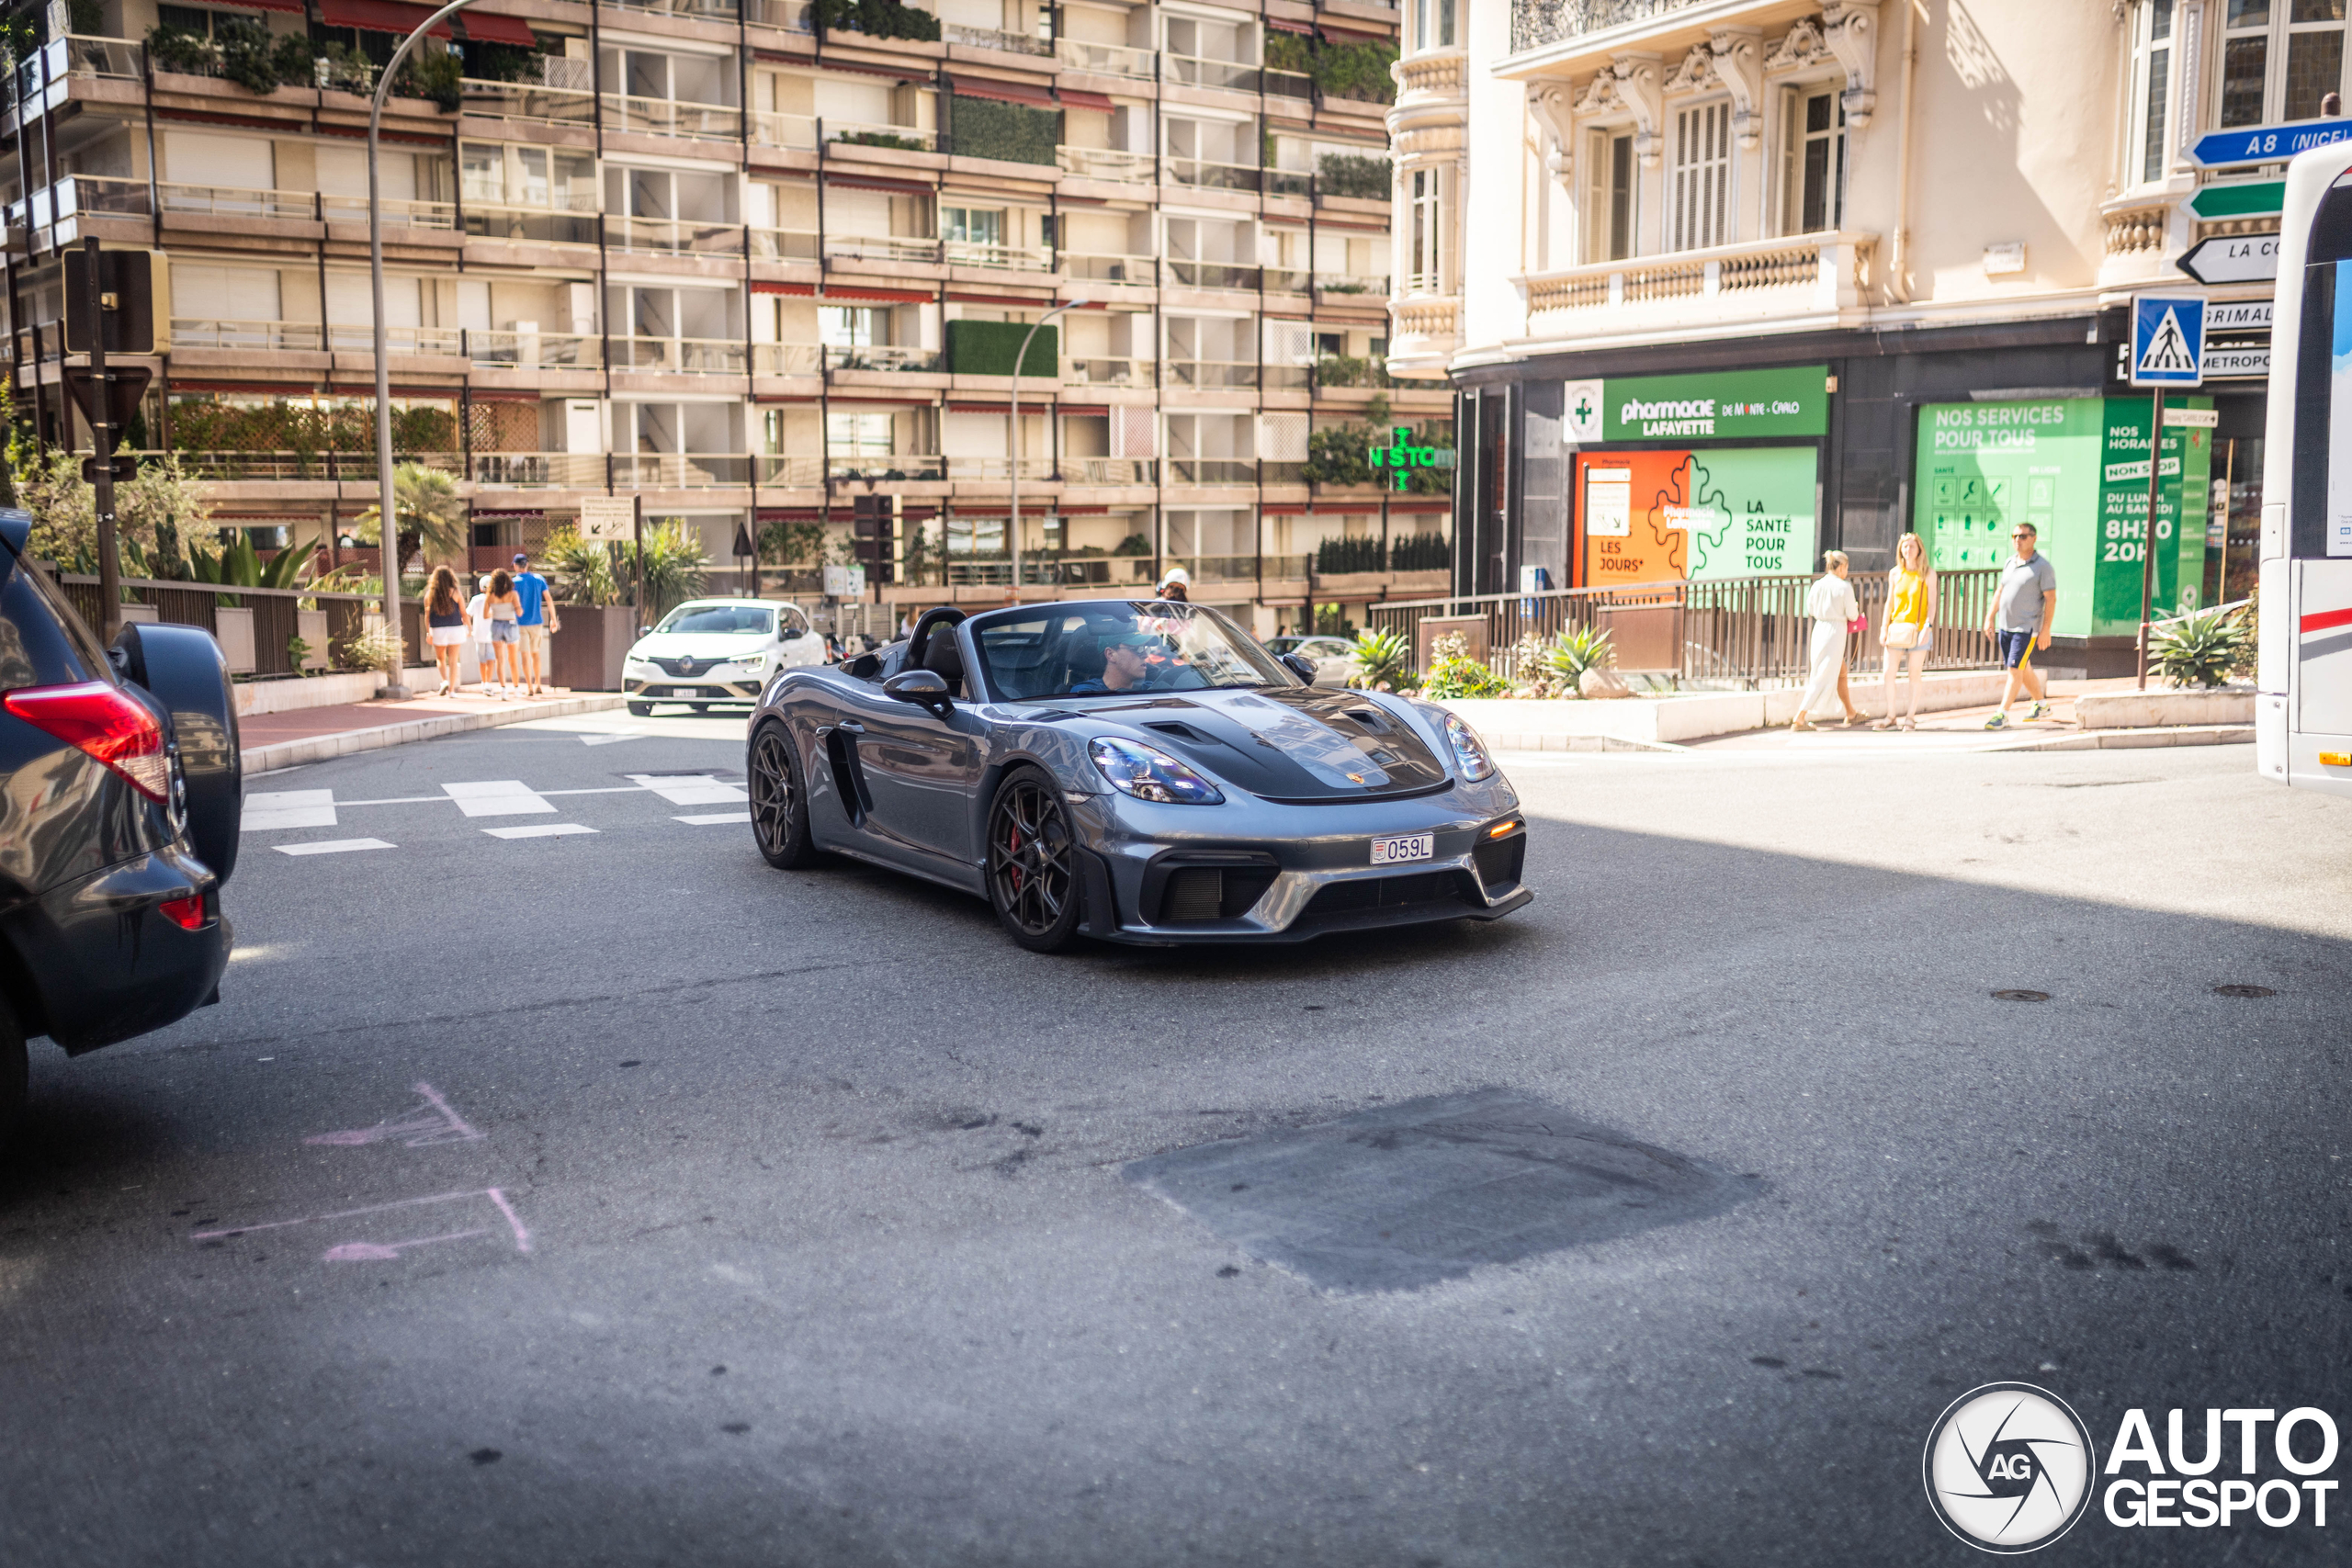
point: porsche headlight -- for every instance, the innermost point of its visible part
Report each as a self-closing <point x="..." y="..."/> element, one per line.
<point x="1469" y="751"/>
<point x="1151" y="774"/>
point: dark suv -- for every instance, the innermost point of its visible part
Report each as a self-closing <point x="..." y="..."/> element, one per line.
<point x="119" y="794"/>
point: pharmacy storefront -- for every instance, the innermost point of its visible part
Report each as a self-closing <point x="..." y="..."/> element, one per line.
<point x="1709" y="475"/>
<point x="2077" y="470"/>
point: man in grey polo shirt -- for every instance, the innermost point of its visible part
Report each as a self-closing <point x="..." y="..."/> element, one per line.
<point x="2019" y="623"/>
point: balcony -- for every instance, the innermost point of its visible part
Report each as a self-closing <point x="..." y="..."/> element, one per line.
<point x="999" y="470"/>
<point x="314" y="468"/>
<point x="1212" y="373"/>
<point x="670" y="117"/>
<point x="1212" y="175"/>
<point x="892" y="138"/>
<point x="1191" y="70"/>
<point x="785" y="359"/>
<point x="775" y="468"/>
<point x="1108" y="163"/>
<point x="1108" y="373"/>
<point x="680" y="470"/>
<point x="794" y="131"/>
<point x="883" y="358"/>
<point x="1141" y="272"/>
<point x="354" y="210"/>
<point x="527" y="351"/>
<point x="1007" y="258"/>
<point x="896" y="468"/>
<point x="530" y="225"/>
<point x="1287" y="84"/>
<point x="1109" y="470"/>
<point x="792" y="15"/>
<point x="701" y="10"/>
<point x="784" y="245"/>
<point x="1286" y="280"/>
<point x="1212" y="470"/>
<point x="884" y="248"/>
<point x="523" y="103"/>
<point x="1796" y="282"/>
<point x="680" y="356"/>
<point x="537" y="470"/>
<point x="308" y="337"/>
<point x="116" y="58"/>
<point x="1211" y="275"/>
<point x="1349" y="285"/>
<point x="666" y="236"/>
<point x="1106" y="59"/>
<point x="990" y="38"/>
<point x="1537" y="24"/>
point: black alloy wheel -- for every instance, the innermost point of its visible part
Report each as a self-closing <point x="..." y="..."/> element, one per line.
<point x="1033" y="863"/>
<point x="779" y="805"/>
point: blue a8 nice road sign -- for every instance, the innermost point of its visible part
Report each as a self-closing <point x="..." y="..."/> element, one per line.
<point x="2266" y="143"/>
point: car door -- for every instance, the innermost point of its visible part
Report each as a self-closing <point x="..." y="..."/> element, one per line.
<point x="921" y="772"/>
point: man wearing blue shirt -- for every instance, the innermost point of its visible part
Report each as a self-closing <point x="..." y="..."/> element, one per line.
<point x="532" y="589"/>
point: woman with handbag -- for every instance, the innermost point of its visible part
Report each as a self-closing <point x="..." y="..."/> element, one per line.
<point x="1837" y="614"/>
<point x="1909" y="626"/>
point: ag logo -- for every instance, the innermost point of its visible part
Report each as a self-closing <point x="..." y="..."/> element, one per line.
<point x="2008" y="1467"/>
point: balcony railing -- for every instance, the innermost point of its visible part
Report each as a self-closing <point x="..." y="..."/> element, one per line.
<point x="116" y="58"/>
<point x="413" y="214"/>
<point x="263" y="337"/>
<point x="1287" y="279"/>
<point x="529" y="104"/>
<point x="1012" y="258"/>
<point x="775" y="468"/>
<point x="537" y="470"/>
<point x="982" y="470"/>
<point x="881" y="357"/>
<point x="784" y="245"/>
<point x="1207" y="173"/>
<point x="1110" y="471"/>
<point x="666" y="236"/>
<point x="680" y="356"/>
<point x="1211" y="373"/>
<point x="769" y="129"/>
<point x="315" y="467"/>
<point x="1212" y="470"/>
<point x="679" y="471"/>
<point x="1108" y="163"/>
<point x="509" y="350"/>
<point x="794" y="16"/>
<point x="1288" y="84"/>
<point x="884" y="248"/>
<point x="894" y="138"/>
<point x="897" y="467"/>
<point x="1758" y="280"/>
<point x="1108" y="372"/>
<point x="1140" y="271"/>
<point x="1351" y="283"/>
<point x="670" y="117"/>
<point x="1105" y="59"/>
<point x="1287" y="182"/>
<point x="1211" y="275"/>
<point x="785" y="359"/>
<point x="1195" y="72"/>
<point x="1537" y="23"/>
<point x="990" y="38"/>
<point x="1218" y="569"/>
<point x="708" y="10"/>
<point x="531" y="225"/>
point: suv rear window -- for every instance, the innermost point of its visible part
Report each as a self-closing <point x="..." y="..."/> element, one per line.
<point x="42" y="641"/>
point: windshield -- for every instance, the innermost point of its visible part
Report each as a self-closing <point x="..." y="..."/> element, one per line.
<point x="739" y="620"/>
<point x="1109" y="647"/>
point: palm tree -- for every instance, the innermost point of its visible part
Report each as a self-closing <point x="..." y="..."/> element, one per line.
<point x="431" y="514"/>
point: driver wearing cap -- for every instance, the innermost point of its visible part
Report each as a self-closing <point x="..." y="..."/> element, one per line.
<point x="1127" y="659"/>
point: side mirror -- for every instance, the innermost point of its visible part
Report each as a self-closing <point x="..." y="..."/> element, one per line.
<point x="792" y="634"/>
<point x="925" y="688"/>
<point x="1299" y="665"/>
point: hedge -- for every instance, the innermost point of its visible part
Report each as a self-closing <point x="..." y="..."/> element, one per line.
<point x="1360" y="178"/>
<point x="1356" y="71"/>
<point x="985" y="348"/>
<point x="982" y="127"/>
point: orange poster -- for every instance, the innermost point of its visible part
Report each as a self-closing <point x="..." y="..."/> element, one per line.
<point x="1625" y="502"/>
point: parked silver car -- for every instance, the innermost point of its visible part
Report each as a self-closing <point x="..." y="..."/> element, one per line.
<point x="717" y="650"/>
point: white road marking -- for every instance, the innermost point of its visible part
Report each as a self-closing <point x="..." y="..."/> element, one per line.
<point x="690" y="791"/>
<point x="333" y="846"/>
<point x="288" y="808"/>
<point x="608" y="739"/>
<point x="497" y="798"/>
<point x="538" y="831"/>
<point x="711" y="818"/>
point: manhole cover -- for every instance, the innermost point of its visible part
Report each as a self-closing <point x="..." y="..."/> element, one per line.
<point x="2243" y="991"/>
<point x="1407" y="1195"/>
<point x="2021" y="995"/>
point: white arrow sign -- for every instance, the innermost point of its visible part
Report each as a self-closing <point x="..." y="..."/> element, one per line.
<point x="2237" y="258"/>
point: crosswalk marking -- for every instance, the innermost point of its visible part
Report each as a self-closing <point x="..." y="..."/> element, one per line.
<point x="332" y="847"/>
<point x="497" y="798"/>
<point x="702" y="790"/>
<point x="290" y="809"/>
<point x="538" y="830"/>
<point x="710" y="819"/>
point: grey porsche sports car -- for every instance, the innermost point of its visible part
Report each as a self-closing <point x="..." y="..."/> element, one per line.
<point x="1137" y="771"/>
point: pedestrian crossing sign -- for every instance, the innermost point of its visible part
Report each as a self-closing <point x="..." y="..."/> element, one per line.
<point x="2168" y="339"/>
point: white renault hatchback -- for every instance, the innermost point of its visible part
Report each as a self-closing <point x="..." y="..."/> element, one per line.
<point x="716" y="651"/>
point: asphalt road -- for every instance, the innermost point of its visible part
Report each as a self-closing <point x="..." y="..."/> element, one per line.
<point x="607" y="1197"/>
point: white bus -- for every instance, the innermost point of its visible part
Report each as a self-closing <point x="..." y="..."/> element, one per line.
<point x="2304" y="701"/>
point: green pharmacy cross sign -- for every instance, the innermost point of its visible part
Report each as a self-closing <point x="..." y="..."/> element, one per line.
<point x="1402" y="455"/>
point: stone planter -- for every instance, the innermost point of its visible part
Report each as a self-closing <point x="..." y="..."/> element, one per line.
<point x="586" y="655"/>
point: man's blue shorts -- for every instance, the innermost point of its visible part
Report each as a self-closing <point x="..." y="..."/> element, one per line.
<point x="2017" y="649"/>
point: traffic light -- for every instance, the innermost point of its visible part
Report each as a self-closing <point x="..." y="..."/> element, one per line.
<point x="874" y="535"/>
<point x="130" y="285"/>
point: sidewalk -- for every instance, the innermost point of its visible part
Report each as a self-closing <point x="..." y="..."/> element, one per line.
<point x="309" y="735"/>
<point x="1963" y="729"/>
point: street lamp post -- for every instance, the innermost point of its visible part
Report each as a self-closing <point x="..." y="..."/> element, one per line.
<point x="1012" y="528"/>
<point x="387" y="513"/>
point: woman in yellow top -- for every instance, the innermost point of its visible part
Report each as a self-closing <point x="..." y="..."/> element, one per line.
<point x="1909" y="625"/>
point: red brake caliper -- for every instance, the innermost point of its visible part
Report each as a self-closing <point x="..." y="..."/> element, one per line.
<point x="1012" y="851"/>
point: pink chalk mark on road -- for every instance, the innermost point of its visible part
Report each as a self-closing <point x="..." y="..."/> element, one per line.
<point x="378" y="1252"/>
<point x="436" y="1122"/>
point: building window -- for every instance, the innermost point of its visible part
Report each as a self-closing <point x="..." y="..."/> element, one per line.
<point x="2152" y="85"/>
<point x="1433" y="25"/>
<point x="851" y="326"/>
<point x="1425" y="247"/>
<point x="2280" y="57"/>
<point x="857" y="436"/>
<point x="972" y="225"/>
<point x="1609" y="196"/>
<point x="1701" y="195"/>
<point x="1812" y="161"/>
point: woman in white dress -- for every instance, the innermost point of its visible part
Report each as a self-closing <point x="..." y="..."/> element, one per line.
<point x="1834" y="608"/>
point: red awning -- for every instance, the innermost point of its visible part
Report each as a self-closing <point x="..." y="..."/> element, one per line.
<point x="1005" y="301"/>
<point x="875" y="181"/>
<point x="293" y="6"/>
<point x="484" y="27"/>
<point x="890" y="296"/>
<point x="1074" y="99"/>
<point x="1283" y="26"/>
<point x="759" y="288"/>
<point x="1003" y="92"/>
<point x="378" y="16"/>
<point x="866" y="68"/>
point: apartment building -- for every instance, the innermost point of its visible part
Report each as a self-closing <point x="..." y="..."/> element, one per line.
<point x="752" y="260"/>
<point x="1723" y="283"/>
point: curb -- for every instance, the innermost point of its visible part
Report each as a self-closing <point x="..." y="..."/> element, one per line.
<point x="2127" y="739"/>
<point x="320" y="748"/>
<point x="1553" y="740"/>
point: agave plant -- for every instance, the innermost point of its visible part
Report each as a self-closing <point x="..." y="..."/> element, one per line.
<point x="1384" y="661"/>
<point x="2201" y="648"/>
<point x="239" y="565"/>
<point x="1577" y="650"/>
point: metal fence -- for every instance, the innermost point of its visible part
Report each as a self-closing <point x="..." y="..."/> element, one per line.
<point x="256" y="627"/>
<point x="1744" y="630"/>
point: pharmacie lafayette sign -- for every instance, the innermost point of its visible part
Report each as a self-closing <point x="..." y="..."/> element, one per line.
<point x="1717" y="405"/>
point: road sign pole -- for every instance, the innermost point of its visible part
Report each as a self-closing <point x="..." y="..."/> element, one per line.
<point x="637" y="526"/>
<point x="2148" y="533"/>
<point x="101" y="416"/>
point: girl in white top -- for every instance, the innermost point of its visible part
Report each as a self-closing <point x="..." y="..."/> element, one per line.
<point x="477" y="620"/>
<point x="1832" y="605"/>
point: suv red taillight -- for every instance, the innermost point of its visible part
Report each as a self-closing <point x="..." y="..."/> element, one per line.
<point x="105" y="721"/>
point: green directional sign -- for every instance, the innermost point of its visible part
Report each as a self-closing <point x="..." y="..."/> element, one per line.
<point x="2256" y="199"/>
<point x="1402" y="456"/>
